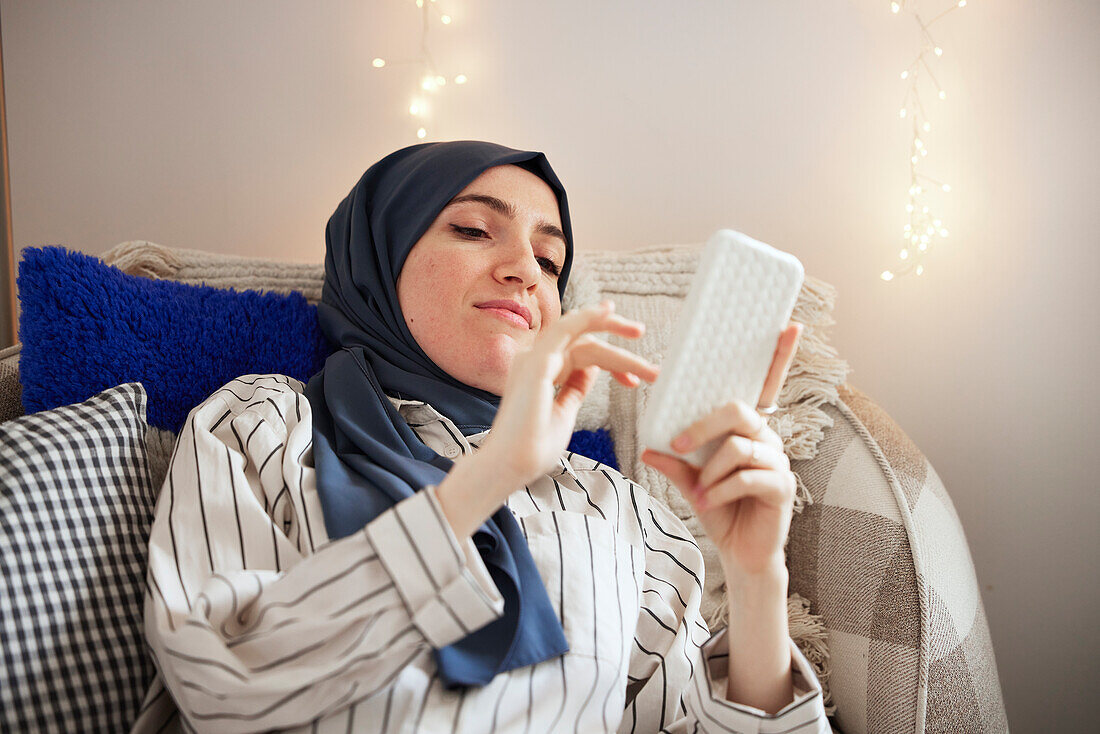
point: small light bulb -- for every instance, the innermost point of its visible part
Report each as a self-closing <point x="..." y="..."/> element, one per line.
<point x="947" y="187"/>
<point x="414" y="109"/>
<point x="920" y="190"/>
<point x="378" y="63"/>
<point x="894" y="7"/>
<point x="887" y="275"/>
<point x="914" y="159"/>
<point x="908" y="207"/>
<point x="922" y="247"/>
<point x="943" y="94"/>
<point x="460" y="79"/>
<point x="907" y="228"/>
<point x="919" y="143"/>
<point x="939" y="51"/>
<point x="440" y="80"/>
<point x="943" y="233"/>
<point x="421" y="133"/>
<point x="905" y="74"/>
<point x="923" y="152"/>
<point x="904" y="254"/>
<point x="936" y="222"/>
<point x="962" y="3"/>
<point x="925" y="210"/>
<point x="901" y="112"/>
<point x="920" y="269"/>
<point x="913" y="239"/>
<point x="419" y="3"/>
<point x="446" y="19"/>
<point x="930" y="230"/>
<point x="924" y="240"/>
<point x="927" y="126"/>
<point x="427" y="83"/>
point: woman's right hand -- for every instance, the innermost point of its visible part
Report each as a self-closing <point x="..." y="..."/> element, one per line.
<point x="534" y="424"/>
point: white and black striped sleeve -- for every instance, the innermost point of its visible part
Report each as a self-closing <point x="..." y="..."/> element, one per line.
<point x="256" y="621"/>
<point x="678" y="670"/>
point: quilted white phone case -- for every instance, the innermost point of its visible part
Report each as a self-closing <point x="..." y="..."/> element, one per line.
<point x="722" y="346"/>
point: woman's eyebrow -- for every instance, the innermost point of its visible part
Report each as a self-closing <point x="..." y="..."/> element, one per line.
<point x="507" y="209"/>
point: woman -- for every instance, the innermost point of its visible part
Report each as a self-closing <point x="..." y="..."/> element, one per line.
<point x="318" y="562"/>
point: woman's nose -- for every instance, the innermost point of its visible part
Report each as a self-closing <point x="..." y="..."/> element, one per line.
<point x="520" y="262"/>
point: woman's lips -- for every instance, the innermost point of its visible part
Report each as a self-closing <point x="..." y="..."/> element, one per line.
<point x="507" y="315"/>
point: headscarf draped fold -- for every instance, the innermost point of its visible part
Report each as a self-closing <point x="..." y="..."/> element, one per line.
<point x="366" y="456"/>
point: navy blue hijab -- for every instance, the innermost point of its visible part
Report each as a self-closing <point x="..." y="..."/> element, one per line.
<point x="366" y="456"/>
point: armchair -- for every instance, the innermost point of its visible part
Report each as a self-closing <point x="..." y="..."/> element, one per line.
<point x="884" y="599"/>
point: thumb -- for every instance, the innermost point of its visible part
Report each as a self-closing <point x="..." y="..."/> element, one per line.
<point x="680" y="473"/>
<point x="576" y="388"/>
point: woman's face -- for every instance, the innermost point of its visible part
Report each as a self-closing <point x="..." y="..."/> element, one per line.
<point x="500" y="238"/>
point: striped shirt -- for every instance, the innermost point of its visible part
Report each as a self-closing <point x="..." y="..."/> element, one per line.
<point x="257" y="621"/>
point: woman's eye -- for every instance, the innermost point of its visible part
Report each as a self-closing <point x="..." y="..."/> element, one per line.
<point x="550" y="266"/>
<point x="469" y="231"/>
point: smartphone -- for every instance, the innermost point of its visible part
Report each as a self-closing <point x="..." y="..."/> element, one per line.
<point x="724" y="339"/>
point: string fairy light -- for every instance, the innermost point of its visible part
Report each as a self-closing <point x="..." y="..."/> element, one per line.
<point x="429" y="80"/>
<point x="923" y="227"/>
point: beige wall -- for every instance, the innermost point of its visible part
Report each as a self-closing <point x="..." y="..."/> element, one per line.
<point x="238" y="126"/>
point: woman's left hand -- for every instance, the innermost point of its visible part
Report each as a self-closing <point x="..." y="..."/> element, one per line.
<point x="744" y="505"/>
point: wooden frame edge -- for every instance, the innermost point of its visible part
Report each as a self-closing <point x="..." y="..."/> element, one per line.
<point x="9" y="329"/>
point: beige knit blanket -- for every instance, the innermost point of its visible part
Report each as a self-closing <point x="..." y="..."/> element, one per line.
<point x="648" y="284"/>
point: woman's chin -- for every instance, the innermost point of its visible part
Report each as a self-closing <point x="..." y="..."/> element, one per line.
<point x="491" y="386"/>
<point x="491" y="369"/>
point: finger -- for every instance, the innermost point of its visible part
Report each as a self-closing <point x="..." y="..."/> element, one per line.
<point x="578" y="322"/>
<point x="572" y="325"/>
<point x="588" y="350"/>
<point x="736" y="417"/>
<point x="737" y="454"/>
<point x="627" y="378"/>
<point x="781" y="362"/>
<point x="682" y="474"/>
<point x="772" y="487"/>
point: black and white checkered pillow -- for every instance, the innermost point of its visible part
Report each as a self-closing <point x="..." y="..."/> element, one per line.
<point x="76" y="504"/>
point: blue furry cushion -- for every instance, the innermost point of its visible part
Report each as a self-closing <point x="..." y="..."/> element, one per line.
<point x="595" y="445"/>
<point x="87" y="326"/>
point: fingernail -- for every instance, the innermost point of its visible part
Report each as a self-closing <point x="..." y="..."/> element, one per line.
<point x="682" y="443"/>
